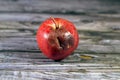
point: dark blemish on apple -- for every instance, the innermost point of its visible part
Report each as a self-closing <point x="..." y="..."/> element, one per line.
<point x="61" y="38"/>
<point x="66" y="41"/>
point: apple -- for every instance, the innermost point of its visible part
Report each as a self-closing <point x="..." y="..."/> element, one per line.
<point x="57" y="38"/>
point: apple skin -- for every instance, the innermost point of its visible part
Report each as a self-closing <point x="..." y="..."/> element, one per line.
<point x="57" y="38"/>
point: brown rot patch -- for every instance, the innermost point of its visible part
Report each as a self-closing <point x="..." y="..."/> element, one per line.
<point x="61" y="38"/>
<point x="65" y="40"/>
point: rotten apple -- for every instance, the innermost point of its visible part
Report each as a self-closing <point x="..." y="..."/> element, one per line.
<point x="57" y="38"/>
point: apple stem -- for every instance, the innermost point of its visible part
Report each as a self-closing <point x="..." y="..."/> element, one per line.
<point x="56" y="24"/>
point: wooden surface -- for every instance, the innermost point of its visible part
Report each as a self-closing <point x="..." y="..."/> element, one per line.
<point x="96" y="58"/>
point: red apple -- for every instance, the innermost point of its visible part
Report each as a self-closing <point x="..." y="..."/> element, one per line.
<point x="57" y="38"/>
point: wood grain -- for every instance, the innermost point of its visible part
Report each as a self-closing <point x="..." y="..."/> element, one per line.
<point x="96" y="58"/>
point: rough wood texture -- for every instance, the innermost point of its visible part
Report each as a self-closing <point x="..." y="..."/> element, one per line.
<point x="96" y="58"/>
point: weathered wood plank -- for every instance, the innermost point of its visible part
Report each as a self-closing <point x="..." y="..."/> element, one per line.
<point x="64" y="72"/>
<point x="106" y="46"/>
<point x="96" y="58"/>
<point x="58" y="75"/>
<point x="46" y="6"/>
<point x="79" y="67"/>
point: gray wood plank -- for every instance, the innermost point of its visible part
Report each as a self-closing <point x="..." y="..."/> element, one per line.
<point x="96" y="58"/>
<point x="58" y="75"/>
<point x="68" y="6"/>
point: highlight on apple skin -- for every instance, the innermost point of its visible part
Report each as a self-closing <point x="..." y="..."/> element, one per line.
<point x="57" y="38"/>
